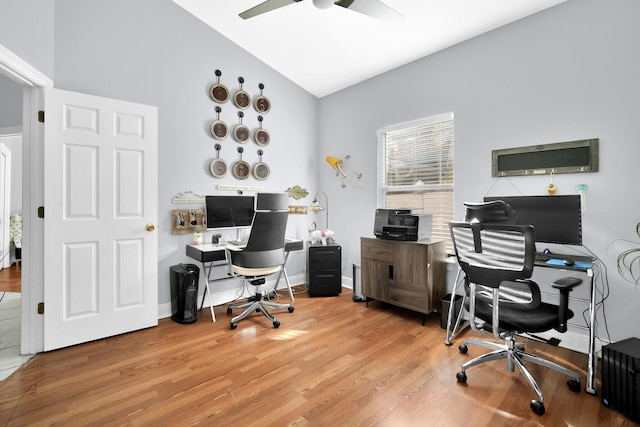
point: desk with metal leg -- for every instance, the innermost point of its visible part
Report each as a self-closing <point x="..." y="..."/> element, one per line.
<point x="212" y="256"/>
<point x="581" y="267"/>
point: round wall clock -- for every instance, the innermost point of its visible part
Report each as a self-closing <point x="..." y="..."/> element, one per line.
<point x="261" y="170"/>
<point x="241" y="169"/>
<point x="219" y="129"/>
<point x="241" y="132"/>
<point x="219" y="92"/>
<point x="261" y="103"/>
<point x="241" y="98"/>
<point x="261" y="136"/>
<point x="218" y="167"/>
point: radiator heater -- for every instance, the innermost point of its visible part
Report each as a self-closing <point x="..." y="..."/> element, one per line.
<point x="621" y="377"/>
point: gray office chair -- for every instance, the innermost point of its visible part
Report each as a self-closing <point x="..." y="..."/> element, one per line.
<point x="261" y="257"/>
<point x="497" y="259"/>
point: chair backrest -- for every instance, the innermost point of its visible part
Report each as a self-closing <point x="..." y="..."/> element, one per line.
<point x="490" y="254"/>
<point x="496" y="211"/>
<point x="272" y="202"/>
<point x="265" y="247"/>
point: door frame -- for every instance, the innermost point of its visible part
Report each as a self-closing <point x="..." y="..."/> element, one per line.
<point x="5" y="202"/>
<point x="33" y="83"/>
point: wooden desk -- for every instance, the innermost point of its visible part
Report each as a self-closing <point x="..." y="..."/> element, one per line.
<point x="212" y="256"/>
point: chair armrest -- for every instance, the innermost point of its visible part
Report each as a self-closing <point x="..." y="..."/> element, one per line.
<point x="564" y="285"/>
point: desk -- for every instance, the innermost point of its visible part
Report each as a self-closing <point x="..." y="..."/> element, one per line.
<point x="582" y="264"/>
<point x="212" y="256"/>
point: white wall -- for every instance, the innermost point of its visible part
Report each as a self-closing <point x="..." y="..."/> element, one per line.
<point x="154" y="52"/>
<point x="10" y="103"/>
<point x="26" y="28"/>
<point x="567" y="73"/>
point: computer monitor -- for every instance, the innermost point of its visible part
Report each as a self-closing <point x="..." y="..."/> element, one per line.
<point x="229" y="211"/>
<point x="555" y="219"/>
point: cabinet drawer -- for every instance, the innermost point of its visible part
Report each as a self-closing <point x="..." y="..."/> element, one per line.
<point x="377" y="249"/>
<point x="325" y="258"/>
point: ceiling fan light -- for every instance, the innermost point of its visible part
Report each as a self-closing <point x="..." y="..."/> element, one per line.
<point x="323" y="4"/>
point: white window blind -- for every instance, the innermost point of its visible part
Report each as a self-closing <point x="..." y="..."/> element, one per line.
<point x="415" y="169"/>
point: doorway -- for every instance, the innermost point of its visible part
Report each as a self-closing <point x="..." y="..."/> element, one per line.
<point x="32" y="83"/>
<point x="11" y="358"/>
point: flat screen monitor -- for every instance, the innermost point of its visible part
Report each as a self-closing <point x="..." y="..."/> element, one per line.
<point x="555" y="219"/>
<point x="229" y="211"/>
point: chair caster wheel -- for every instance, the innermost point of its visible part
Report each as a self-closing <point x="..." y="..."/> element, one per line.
<point x="537" y="407"/>
<point x="276" y="324"/>
<point x="234" y="325"/>
<point x="228" y="311"/>
<point x="463" y="348"/>
<point x="290" y="309"/>
<point x="461" y="377"/>
<point x="574" y="385"/>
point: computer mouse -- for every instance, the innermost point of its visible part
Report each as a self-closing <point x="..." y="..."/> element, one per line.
<point x="568" y="262"/>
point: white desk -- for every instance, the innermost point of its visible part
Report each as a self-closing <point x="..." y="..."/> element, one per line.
<point x="583" y="264"/>
<point x="212" y="256"/>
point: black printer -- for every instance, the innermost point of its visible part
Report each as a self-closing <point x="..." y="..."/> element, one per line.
<point x="401" y="224"/>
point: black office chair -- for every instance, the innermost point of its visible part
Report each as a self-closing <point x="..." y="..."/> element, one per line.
<point x="497" y="259"/>
<point x="262" y="256"/>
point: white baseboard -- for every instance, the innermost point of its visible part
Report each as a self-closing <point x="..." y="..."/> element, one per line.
<point x="228" y="295"/>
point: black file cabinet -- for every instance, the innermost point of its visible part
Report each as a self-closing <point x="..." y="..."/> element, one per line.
<point x="324" y="270"/>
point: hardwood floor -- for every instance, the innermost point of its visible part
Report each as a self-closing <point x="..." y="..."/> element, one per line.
<point x="11" y="279"/>
<point x="331" y="362"/>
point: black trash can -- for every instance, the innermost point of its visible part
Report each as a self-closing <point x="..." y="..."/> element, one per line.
<point x="445" y="303"/>
<point x="184" y="292"/>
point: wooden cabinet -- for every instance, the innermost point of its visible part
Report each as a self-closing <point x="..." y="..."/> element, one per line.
<point x="407" y="274"/>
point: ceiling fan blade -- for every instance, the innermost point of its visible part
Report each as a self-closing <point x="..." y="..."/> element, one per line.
<point x="266" y="6"/>
<point x="373" y="8"/>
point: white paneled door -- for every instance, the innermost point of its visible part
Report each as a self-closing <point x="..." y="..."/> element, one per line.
<point x="100" y="249"/>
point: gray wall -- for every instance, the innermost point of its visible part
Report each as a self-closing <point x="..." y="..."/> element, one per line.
<point x="11" y="103"/>
<point x="163" y="56"/>
<point x="26" y="29"/>
<point x="567" y="73"/>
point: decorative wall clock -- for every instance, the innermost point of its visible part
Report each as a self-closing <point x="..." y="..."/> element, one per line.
<point x="241" y="133"/>
<point x="261" y="103"/>
<point x="261" y="136"/>
<point x="219" y="129"/>
<point x="219" y="92"/>
<point x="218" y="167"/>
<point x="241" y="98"/>
<point x="241" y="169"/>
<point x="261" y="170"/>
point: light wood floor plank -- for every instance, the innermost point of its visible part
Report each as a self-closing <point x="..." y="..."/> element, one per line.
<point x="332" y="362"/>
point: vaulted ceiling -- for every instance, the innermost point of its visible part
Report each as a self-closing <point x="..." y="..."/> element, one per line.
<point x="326" y="50"/>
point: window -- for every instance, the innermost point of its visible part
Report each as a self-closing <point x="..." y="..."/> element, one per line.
<point x="415" y="169"/>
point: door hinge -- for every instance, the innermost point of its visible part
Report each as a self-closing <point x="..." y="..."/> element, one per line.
<point x="40" y="211"/>
<point x="40" y="308"/>
<point x="41" y="116"/>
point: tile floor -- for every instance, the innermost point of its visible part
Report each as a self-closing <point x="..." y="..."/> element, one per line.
<point x="10" y="358"/>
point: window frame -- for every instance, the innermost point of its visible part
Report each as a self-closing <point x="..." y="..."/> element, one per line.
<point x="441" y="230"/>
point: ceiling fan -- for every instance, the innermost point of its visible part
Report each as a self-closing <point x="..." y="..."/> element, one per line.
<point x="373" y="8"/>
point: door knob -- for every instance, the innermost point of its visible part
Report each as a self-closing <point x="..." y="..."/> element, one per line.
<point x="150" y="227"/>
